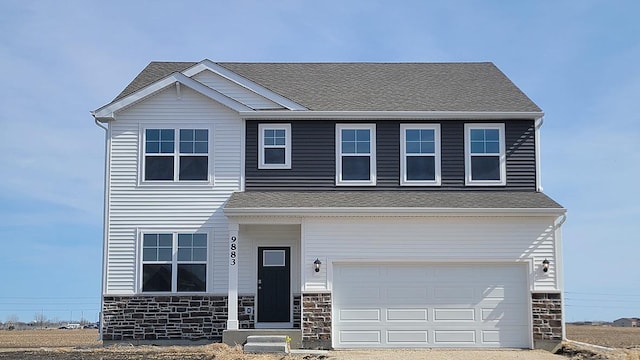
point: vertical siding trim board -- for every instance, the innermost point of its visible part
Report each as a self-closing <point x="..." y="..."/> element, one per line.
<point x="313" y="156"/>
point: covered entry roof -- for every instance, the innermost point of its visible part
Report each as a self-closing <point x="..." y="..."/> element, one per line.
<point x="297" y="202"/>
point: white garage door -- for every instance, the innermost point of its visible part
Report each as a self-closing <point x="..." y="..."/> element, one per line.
<point x="430" y="306"/>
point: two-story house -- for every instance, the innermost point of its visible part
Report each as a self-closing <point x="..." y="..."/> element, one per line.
<point x="349" y="204"/>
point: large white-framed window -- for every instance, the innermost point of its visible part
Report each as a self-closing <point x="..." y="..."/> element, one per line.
<point x="173" y="262"/>
<point x="274" y="146"/>
<point x="485" y="159"/>
<point x="355" y="154"/>
<point x="420" y="154"/>
<point x="175" y="154"/>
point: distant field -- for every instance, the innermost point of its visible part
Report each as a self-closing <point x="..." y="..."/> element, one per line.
<point x="48" y="338"/>
<point x="617" y="337"/>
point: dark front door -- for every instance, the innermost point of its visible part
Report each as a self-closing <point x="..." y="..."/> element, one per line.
<point x="274" y="285"/>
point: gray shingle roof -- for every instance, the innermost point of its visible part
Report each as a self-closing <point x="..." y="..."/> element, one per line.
<point x="373" y="86"/>
<point x="392" y="199"/>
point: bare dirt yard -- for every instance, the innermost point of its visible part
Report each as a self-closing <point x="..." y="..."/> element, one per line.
<point x="83" y="345"/>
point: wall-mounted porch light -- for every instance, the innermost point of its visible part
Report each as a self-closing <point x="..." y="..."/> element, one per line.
<point x="545" y="265"/>
<point x="316" y="265"/>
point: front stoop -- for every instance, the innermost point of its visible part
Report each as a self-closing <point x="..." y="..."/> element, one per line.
<point x="266" y="344"/>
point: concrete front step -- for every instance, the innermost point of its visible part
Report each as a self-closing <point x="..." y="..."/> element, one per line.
<point x="266" y="344"/>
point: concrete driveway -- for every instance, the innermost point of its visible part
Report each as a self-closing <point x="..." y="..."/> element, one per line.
<point x="437" y="354"/>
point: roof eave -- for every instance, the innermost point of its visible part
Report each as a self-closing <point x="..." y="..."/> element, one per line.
<point x="404" y="115"/>
<point x="396" y="211"/>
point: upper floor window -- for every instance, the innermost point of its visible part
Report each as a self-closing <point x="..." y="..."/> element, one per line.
<point x="274" y="146"/>
<point x="355" y="154"/>
<point x="485" y="161"/>
<point x="174" y="262"/>
<point x="176" y="154"/>
<point x="420" y="154"/>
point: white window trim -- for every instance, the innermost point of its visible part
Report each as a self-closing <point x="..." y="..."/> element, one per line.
<point x="403" y="155"/>
<point x="372" y="155"/>
<point x="262" y="146"/>
<point x="467" y="155"/>
<point x="176" y="154"/>
<point x="174" y="262"/>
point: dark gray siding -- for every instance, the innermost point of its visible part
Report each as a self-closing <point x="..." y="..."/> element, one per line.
<point x="313" y="157"/>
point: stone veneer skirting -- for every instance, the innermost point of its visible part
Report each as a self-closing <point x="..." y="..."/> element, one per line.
<point x="316" y="321"/>
<point x="176" y="317"/>
<point x="547" y="316"/>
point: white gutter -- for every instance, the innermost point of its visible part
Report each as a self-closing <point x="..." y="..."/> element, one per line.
<point x="372" y="115"/>
<point x="362" y="211"/>
<point x="105" y="218"/>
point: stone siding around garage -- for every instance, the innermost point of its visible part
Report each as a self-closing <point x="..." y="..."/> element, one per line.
<point x="316" y="321"/>
<point x="547" y="316"/>
<point x="170" y="318"/>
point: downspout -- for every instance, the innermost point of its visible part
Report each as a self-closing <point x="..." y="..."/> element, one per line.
<point x="105" y="218"/>
<point x="538" y="124"/>
<point x="559" y="270"/>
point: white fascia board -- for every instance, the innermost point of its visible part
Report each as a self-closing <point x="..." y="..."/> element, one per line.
<point x="394" y="212"/>
<point x="109" y="110"/>
<point x="400" y="115"/>
<point x="242" y="81"/>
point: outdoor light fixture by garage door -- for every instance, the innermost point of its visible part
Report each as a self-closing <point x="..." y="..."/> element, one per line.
<point x="545" y="265"/>
<point x="316" y="265"/>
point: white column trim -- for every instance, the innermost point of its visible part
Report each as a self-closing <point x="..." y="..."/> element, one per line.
<point x="232" y="302"/>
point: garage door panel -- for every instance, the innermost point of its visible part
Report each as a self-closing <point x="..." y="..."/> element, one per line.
<point x="470" y="306"/>
<point x="407" y="314"/>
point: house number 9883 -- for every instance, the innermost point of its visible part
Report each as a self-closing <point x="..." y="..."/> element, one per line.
<point x="232" y="251"/>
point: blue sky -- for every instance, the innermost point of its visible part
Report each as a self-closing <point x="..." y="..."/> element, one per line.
<point x="578" y="60"/>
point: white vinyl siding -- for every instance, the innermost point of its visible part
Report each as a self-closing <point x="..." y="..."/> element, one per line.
<point x="183" y="207"/>
<point x="428" y="239"/>
<point x="235" y="91"/>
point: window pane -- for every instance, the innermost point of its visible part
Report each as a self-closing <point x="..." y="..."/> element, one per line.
<point x="427" y="135"/>
<point x="199" y="254"/>
<point x="491" y="135"/>
<point x="186" y="147"/>
<point x="165" y="240"/>
<point x="477" y="135"/>
<point x="274" y="156"/>
<point x="164" y="254"/>
<point x="412" y="135"/>
<point x="167" y="135"/>
<point x="192" y="277"/>
<point x="184" y="254"/>
<point x="149" y="254"/>
<point x="194" y="167"/>
<point x="152" y="134"/>
<point x="363" y="135"/>
<point x="200" y="240"/>
<point x="150" y="240"/>
<point x="185" y="240"/>
<point x="186" y="135"/>
<point x="355" y="168"/>
<point x="152" y="147"/>
<point x="485" y="168"/>
<point x="413" y="147"/>
<point x="166" y="147"/>
<point x="158" y="168"/>
<point x="421" y="168"/>
<point x="273" y="258"/>
<point x="348" y="147"/>
<point x="348" y="135"/>
<point x="201" y="147"/>
<point x="362" y="147"/>
<point x="428" y="147"/>
<point x="202" y="135"/>
<point x="492" y="147"/>
<point x="156" y="277"/>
